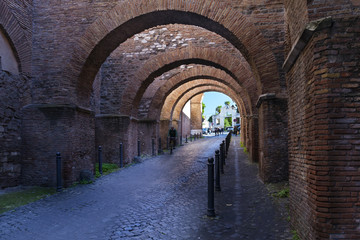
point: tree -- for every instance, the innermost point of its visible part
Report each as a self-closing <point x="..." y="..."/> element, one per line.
<point x="227" y="103"/>
<point x="210" y="119"/>
<point x="202" y="111"/>
<point x="218" y="109"/>
<point x="227" y="122"/>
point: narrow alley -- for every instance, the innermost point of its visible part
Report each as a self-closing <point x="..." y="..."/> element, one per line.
<point x="164" y="197"/>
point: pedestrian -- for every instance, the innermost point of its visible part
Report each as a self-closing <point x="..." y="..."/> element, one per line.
<point x="173" y="136"/>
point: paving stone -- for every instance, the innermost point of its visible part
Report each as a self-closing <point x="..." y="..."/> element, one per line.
<point x="164" y="197"/>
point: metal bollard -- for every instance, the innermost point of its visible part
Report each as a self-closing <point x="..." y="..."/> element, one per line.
<point x="180" y="140"/>
<point x="100" y="159"/>
<point x="224" y="142"/>
<point x="58" y="172"/>
<point x="186" y="140"/>
<point x="153" y="146"/>
<point x="139" y="148"/>
<point x="121" y="155"/>
<point x="159" y="148"/>
<point x="211" y="195"/>
<point x="224" y="151"/>
<point x="217" y="171"/>
<point x="221" y="158"/>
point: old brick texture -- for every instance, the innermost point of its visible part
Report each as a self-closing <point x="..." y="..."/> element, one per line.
<point x="105" y="72"/>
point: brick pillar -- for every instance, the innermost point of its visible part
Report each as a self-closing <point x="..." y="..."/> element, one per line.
<point x="164" y="130"/>
<point x="196" y="114"/>
<point x="253" y="141"/>
<point x="243" y="130"/>
<point x="273" y="138"/>
<point x="324" y="136"/>
<point x="111" y="130"/>
<point x="47" y="129"/>
<point x="147" y="130"/>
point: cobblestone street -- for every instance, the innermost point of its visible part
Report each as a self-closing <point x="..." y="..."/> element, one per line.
<point x="165" y="197"/>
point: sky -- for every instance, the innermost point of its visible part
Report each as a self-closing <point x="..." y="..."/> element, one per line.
<point x="214" y="99"/>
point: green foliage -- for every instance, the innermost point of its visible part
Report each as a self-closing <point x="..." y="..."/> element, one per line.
<point x="227" y="122"/>
<point x="107" y="168"/>
<point x="202" y="111"/>
<point x="210" y="119"/>
<point x="13" y="200"/>
<point x="85" y="182"/>
<point x="218" y="109"/>
<point x="295" y="235"/>
<point x="284" y="193"/>
<point x="227" y="103"/>
<point x="243" y="146"/>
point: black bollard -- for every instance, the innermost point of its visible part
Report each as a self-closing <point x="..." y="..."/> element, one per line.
<point x="211" y="210"/>
<point x="180" y="140"/>
<point x="121" y="155"/>
<point x="186" y="141"/>
<point x="100" y="159"/>
<point x="217" y="171"/>
<point x="153" y="146"/>
<point x="58" y="173"/>
<point x="159" y="148"/>
<point x="224" y="142"/>
<point x="139" y="148"/>
<point x="223" y="153"/>
<point x="221" y="158"/>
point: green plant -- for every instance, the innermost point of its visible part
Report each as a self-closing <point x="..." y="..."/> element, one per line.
<point x="295" y="235"/>
<point x="227" y="122"/>
<point x="107" y="168"/>
<point x="85" y="182"/>
<point x="284" y="193"/>
<point x="13" y="200"/>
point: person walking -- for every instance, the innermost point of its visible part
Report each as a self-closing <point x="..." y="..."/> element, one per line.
<point x="172" y="136"/>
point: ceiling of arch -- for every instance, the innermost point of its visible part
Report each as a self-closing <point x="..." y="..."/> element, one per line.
<point x="115" y="77"/>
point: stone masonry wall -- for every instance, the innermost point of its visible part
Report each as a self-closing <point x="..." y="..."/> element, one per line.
<point x="14" y="94"/>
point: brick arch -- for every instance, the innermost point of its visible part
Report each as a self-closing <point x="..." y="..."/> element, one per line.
<point x="177" y="108"/>
<point x="187" y="89"/>
<point x="131" y="17"/>
<point x="194" y="76"/>
<point x="16" y="36"/>
<point x="159" y="64"/>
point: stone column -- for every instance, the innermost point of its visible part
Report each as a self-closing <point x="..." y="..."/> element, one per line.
<point x="48" y="129"/>
<point x="273" y="138"/>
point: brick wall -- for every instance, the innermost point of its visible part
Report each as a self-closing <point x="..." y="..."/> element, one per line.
<point x="273" y="147"/>
<point x="324" y="136"/>
<point x="48" y="129"/>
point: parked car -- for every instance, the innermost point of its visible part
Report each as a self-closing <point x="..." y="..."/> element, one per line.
<point x="229" y="129"/>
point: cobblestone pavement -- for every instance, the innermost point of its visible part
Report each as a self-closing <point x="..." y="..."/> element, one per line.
<point x="165" y="197"/>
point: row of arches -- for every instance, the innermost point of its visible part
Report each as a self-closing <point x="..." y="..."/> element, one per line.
<point x="119" y="71"/>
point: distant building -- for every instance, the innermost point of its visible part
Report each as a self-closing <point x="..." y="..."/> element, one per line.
<point x="227" y="111"/>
